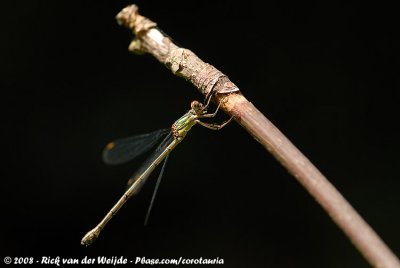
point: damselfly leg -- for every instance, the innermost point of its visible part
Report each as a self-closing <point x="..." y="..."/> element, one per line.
<point x="212" y="126"/>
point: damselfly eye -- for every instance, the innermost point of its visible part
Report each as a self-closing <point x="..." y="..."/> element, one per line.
<point x="195" y="105"/>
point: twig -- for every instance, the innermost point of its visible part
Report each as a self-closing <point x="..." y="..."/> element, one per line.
<point x="206" y="79"/>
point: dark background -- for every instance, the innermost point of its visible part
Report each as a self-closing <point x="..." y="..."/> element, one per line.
<point x="325" y="73"/>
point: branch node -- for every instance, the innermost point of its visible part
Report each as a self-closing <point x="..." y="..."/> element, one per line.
<point x="130" y="18"/>
<point x="136" y="47"/>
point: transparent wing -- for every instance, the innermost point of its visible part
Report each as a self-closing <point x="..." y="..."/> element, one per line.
<point x="163" y="145"/>
<point x="124" y="150"/>
<point x="146" y="220"/>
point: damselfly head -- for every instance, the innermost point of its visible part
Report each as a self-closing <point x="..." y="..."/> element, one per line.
<point x="197" y="107"/>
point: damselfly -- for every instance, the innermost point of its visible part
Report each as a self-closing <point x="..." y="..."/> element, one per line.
<point x="121" y="151"/>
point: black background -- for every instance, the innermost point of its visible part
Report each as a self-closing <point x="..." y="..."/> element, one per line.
<point x="325" y="73"/>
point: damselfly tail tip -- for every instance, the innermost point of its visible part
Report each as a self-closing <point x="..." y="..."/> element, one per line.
<point x="90" y="237"/>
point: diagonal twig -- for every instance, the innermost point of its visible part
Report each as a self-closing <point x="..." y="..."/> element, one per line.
<point x="206" y="78"/>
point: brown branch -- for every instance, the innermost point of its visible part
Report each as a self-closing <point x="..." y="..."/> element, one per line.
<point x="207" y="78"/>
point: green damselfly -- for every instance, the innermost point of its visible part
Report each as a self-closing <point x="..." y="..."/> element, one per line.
<point x="121" y="151"/>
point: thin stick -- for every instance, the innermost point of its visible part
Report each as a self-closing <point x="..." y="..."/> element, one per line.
<point x="207" y="78"/>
